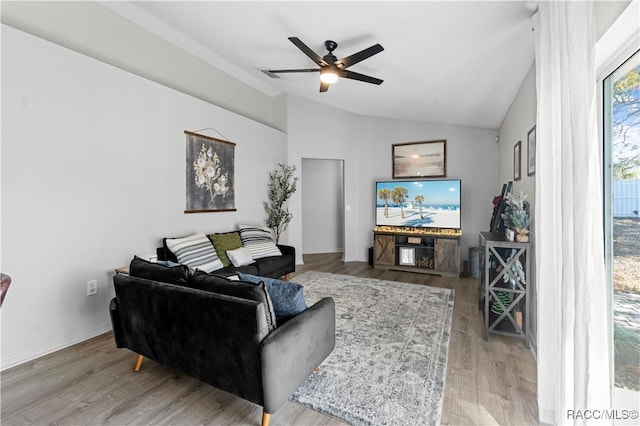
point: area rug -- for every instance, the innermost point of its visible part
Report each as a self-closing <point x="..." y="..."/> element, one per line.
<point x="390" y="360"/>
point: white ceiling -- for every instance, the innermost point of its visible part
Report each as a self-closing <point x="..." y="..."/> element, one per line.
<point x="454" y="62"/>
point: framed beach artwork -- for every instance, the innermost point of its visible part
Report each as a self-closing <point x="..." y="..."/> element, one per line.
<point x="516" y="160"/>
<point x="210" y="174"/>
<point x="419" y="159"/>
<point x="531" y="151"/>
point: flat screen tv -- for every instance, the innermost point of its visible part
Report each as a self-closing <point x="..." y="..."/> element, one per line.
<point x="419" y="203"/>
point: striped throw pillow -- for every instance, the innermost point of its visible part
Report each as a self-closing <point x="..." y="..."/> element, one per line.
<point x="195" y="251"/>
<point x="258" y="241"/>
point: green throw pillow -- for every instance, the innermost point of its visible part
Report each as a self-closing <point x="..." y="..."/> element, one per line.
<point x="224" y="242"/>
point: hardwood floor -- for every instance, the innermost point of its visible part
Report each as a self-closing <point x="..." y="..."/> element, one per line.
<point x="92" y="382"/>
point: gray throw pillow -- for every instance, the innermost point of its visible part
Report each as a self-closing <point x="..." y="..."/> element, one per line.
<point x="287" y="296"/>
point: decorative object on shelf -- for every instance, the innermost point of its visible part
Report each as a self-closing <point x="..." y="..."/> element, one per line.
<point x="419" y="159"/>
<point x="282" y="185"/>
<point x="407" y="256"/>
<point x="519" y="318"/>
<point x="516" y="216"/>
<point x="516" y="273"/>
<point x="521" y="235"/>
<point x="210" y="174"/>
<point x="531" y="151"/>
<point x="496" y="307"/>
<point x="509" y="234"/>
<point x="516" y="160"/>
<point x="426" y="262"/>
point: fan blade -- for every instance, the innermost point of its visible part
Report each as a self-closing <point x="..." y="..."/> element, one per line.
<point x="360" y="77"/>
<point x="300" y="70"/>
<point x="360" y="56"/>
<point x="307" y="51"/>
<point x="324" y="86"/>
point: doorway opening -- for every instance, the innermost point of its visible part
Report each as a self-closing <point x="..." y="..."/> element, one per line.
<point x="322" y="206"/>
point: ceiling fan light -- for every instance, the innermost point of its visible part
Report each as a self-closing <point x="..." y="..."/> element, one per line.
<point x="328" y="77"/>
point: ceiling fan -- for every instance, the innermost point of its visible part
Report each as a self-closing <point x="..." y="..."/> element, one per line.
<point x="331" y="68"/>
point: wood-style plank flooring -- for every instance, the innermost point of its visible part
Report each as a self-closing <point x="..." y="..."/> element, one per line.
<point x="92" y="382"/>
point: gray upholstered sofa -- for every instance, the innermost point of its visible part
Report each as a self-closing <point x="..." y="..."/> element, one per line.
<point x="221" y="332"/>
<point x="272" y="266"/>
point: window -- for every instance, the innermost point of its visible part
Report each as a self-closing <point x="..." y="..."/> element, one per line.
<point x="621" y="132"/>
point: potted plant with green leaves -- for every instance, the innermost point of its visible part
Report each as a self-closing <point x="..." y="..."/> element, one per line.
<point x="516" y="217"/>
<point x="281" y="186"/>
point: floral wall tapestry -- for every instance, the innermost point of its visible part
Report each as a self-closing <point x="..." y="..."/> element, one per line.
<point x="210" y="174"/>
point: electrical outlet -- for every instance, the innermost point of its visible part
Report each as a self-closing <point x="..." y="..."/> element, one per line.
<point x="92" y="287"/>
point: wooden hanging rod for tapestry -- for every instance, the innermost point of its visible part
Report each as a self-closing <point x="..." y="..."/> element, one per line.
<point x="208" y="128"/>
<point x="186" y="132"/>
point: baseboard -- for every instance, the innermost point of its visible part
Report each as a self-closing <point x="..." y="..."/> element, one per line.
<point x="41" y="351"/>
<point x="323" y="251"/>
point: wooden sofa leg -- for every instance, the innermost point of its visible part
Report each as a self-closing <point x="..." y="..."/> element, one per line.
<point x="286" y="277"/>
<point x="265" y="418"/>
<point x="138" y="363"/>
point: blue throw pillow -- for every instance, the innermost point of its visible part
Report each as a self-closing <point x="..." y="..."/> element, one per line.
<point x="287" y="297"/>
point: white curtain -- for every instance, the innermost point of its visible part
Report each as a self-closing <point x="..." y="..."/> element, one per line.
<point x="573" y="341"/>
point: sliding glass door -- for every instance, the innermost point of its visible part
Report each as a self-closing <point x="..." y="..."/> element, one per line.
<point x="621" y="95"/>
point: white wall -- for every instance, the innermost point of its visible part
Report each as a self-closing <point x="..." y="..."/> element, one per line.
<point x="93" y="173"/>
<point x="364" y="143"/>
<point x="520" y="118"/>
<point x="322" y="206"/>
<point x="94" y="30"/>
<point x="320" y="131"/>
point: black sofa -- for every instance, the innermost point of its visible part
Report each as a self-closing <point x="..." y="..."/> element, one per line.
<point x="219" y="331"/>
<point x="273" y="266"/>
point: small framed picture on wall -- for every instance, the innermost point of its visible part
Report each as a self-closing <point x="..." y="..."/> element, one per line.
<point x="516" y="160"/>
<point x="531" y="151"/>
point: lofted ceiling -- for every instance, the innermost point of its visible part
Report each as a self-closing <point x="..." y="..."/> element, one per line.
<point x="453" y="62"/>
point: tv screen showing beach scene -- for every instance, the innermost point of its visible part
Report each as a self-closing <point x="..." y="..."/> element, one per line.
<point x="419" y="203"/>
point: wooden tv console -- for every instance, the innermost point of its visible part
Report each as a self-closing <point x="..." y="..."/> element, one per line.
<point x="433" y="251"/>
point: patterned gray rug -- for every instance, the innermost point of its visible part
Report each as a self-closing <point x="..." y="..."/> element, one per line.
<point x="390" y="360"/>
